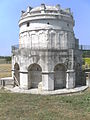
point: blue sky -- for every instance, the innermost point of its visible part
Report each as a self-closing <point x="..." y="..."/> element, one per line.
<point x="10" y="11"/>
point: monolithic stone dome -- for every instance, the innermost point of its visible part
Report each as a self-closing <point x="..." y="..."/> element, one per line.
<point x="46" y="12"/>
<point x="43" y="18"/>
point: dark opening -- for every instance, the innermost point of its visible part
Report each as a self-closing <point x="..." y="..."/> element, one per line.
<point x="59" y="76"/>
<point x="28" y="24"/>
<point x="68" y="24"/>
<point x="34" y="75"/>
<point x="48" y="23"/>
<point x="16" y="73"/>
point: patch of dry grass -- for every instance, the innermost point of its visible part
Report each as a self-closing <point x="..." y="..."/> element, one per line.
<point x="5" y="70"/>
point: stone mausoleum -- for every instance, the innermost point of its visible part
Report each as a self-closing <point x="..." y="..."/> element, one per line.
<point x="48" y="55"/>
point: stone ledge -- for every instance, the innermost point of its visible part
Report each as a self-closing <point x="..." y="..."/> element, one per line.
<point x="55" y="92"/>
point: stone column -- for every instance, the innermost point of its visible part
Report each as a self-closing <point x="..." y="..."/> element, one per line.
<point x="12" y="73"/>
<point x="88" y="79"/>
<point x="70" y="80"/>
<point x="24" y="80"/>
<point x="47" y="80"/>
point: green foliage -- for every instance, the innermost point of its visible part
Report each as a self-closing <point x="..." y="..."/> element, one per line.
<point x="5" y="59"/>
<point x="86" y="53"/>
<point x="87" y="61"/>
<point x="8" y="58"/>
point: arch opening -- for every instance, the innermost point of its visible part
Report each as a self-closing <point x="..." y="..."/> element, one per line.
<point x="34" y="75"/>
<point x="59" y="76"/>
<point x="16" y="72"/>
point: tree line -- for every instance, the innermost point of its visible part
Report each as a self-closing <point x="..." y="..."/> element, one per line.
<point x="6" y="58"/>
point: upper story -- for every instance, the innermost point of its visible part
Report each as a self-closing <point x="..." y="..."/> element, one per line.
<point x="46" y="17"/>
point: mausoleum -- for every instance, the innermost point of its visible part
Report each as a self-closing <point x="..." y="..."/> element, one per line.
<point x="48" y="55"/>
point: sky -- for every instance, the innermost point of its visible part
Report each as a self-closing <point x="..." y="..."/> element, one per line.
<point x="10" y="12"/>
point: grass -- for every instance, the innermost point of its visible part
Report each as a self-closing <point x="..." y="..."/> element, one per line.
<point x="87" y="60"/>
<point x="5" y="70"/>
<point x="36" y="107"/>
<point x="86" y="63"/>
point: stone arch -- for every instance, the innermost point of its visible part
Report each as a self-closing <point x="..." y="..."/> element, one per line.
<point x="16" y="72"/>
<point x="59" y="76"/>
<point x="34" y="75"/>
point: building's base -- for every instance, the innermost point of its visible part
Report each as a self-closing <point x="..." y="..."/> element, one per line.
<point x="54" y="92"/>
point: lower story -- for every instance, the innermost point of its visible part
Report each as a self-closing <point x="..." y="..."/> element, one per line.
<point x="35" y="77"/>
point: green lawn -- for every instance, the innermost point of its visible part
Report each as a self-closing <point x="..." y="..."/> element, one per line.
<point x="14" y="106"/>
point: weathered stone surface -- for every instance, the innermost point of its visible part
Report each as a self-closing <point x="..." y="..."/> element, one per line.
<point x="47" y="40"/>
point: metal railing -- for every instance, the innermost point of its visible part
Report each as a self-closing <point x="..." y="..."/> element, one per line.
<point x="44" y="46"/>
<point x="84" y="47"/>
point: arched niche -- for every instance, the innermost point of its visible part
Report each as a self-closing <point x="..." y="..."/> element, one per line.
<point x="59" y="76"/>
<point x="34" y="75"/>
<point x="16" y="72"/>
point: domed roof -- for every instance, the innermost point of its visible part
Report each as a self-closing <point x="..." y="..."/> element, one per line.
<point x="46" y="8"/>
<point x="46" y="12"/>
